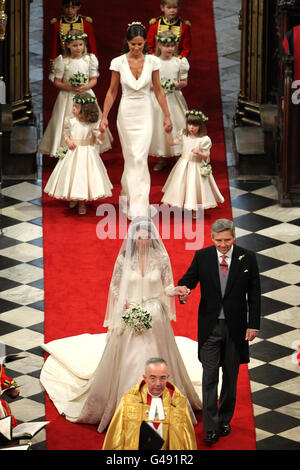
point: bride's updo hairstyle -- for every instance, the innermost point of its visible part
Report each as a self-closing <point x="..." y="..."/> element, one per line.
<point x="135" y="29"/>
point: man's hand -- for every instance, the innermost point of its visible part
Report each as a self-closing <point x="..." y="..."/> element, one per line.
<point x="183" y="292"/>
<point x="251" y="334"/>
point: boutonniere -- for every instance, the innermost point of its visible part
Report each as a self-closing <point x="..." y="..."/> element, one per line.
<point x="241" y="257"/>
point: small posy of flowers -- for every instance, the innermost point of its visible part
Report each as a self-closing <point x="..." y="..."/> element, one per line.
<point x="138" y="319"/>
<point x="78" y="79"/>
<point x="61" y="152"/>
<point x="168" y="85"/>
<point x="205" y="169"/>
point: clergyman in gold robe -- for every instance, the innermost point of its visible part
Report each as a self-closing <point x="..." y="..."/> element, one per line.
<point x="161" y="405"/>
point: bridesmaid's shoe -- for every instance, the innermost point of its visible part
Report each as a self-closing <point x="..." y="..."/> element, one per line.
<point x="72" y="204"/>
<point x="160" y="165"/>
<point x="81" y="208"/>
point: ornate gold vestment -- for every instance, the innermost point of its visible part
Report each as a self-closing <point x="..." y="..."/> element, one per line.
<point x="124" y="430"/>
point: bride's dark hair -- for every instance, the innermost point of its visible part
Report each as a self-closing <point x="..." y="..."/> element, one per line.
<point x="134" y="30"/>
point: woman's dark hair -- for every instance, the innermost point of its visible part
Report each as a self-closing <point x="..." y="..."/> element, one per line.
<point x="133" y="31"/>
<point x="75" y="3"/>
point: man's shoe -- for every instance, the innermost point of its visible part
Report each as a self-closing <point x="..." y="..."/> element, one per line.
<point x="211" y="437"/>
<point x="224" y="430"/>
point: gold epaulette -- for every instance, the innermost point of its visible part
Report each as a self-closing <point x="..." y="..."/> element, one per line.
<point x="88" y="19"/>
<point x="53" y="20"/>
<point x="187" y="22"/>
<point x="153" y="20"/>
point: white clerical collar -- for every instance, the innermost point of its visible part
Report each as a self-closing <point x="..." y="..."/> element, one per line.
<point x="156" y="408"/>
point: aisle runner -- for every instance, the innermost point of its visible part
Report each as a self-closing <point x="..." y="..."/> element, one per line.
<point x="78" y="265"/>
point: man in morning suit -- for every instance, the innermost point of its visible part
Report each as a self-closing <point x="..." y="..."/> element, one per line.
<point x="228" y="317"/>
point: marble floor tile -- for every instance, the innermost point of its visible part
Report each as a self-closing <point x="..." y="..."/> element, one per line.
<point x="22" y="252"/>
<point x="282" y="214"/>
<point x="289" y="273"/>
<point x="23" y="273"/>
<point x="24" y="231"/>
<point x="23" y="295"/>
<point x="23" y="211"/>
<point x="25" y="338"/>
<point x="286" y="252"/>
<point x="289" y="294"/>
<point x="24" y="191"/>
<point x="27" y="410"/>
<point x="290" y="316"/>
<point x="285" y="232"/>
<point x="23" y="316"/>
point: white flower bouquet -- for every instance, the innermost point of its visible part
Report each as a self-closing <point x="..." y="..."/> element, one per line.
<point x="78" y="79"/>
<point x="138" y="319"/>
<point x="168" y="85"/>
<point x="61" y="152"/>
<point x="205" y="169"/>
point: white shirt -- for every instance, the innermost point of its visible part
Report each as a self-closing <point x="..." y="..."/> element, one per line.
<point x="228" y="256"/>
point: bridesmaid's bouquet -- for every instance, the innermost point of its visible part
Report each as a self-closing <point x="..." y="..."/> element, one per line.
<point x="137" y="319"/>
<point x="205" y="169"/>
<point x="78" y="79"/>
<point x="61" y="152"/>
<point x="168" y="85"/>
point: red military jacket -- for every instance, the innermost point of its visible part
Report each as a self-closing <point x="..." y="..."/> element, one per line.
<point x="62" y="25"/>
<point x="180" y="28"/>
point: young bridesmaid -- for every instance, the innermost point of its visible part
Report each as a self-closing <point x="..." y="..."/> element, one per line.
<point x="173" y="76"/>
<point x="80" y="174"/>
<point x="75" y="71"/>
<point x="191" y="182"/>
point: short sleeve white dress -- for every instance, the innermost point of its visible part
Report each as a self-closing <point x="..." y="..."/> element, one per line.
<point x="175" y="69"/>
<point x="64" y="68"/>
<point x="135" y="127"/>
<point x="81" y="174"/>
<point x="186" y="187"/>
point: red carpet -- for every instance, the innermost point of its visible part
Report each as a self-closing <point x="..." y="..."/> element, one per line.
<point x="78" y="266"/>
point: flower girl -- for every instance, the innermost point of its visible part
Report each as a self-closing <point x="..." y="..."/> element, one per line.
<point x="191" y="182"/>
<point x="80" y="174"/>
<point x="173" y="76"/>
<point x="74" y="72"/>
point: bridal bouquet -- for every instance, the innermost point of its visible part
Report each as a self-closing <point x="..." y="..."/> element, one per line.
<point x="78" y="79"/>
<point x="138" y="319"/>
<point x="205" y="169"/>
<point x="61" y="152"/>
<point x="168" y="85"/>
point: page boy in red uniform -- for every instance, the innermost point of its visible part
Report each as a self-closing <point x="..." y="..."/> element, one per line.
<point x="70" y="20"/>
<point x="170" y="21"/>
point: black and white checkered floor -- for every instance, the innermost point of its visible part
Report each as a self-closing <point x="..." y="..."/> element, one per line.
<point x="271" y="231"/>
<point x="262" y="225"/>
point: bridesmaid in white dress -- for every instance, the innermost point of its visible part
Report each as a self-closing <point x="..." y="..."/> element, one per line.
<point x="173" y="74"/>
<point x="75" y="60"/>
<point x="190" y="183"/>
<point x="80" y="175"/>
<point x="143" y="278"/>
<point x="135" y="70"/>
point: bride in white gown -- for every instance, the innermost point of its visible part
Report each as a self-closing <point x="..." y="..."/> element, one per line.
<point x="87" y="392"/>
<point x="136" y="71"/>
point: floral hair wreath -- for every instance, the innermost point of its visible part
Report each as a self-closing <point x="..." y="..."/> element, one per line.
<point x="168" y="40"/>
<point x="75" y="37"/>
<point x="194" y="112"/>
<point x="136" y="23"/>
<point x="81" y="100"/>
